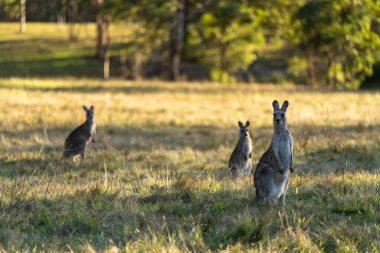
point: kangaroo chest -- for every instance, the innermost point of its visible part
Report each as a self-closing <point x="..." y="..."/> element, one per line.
<point x="246" y="147"/>
<point x="92" y="129"/>
<point x="282" y="147"/>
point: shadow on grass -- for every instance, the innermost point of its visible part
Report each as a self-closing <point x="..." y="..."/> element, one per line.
<point x="221" y="217"/>
<point x="127" y="89"/>
<point x="100" y="89"/>
<point x="59" y="67"/>
<point x="50" y="58"/>
<point x="67" y="66"/>
<point x="98" y="216"/>
<point x="144" y="138"/>
<point x="153" y="145"/>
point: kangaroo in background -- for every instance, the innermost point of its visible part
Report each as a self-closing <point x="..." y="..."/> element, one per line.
<point x="240" y="163"/>
<point x="77" y="141"/>
<point x="271" y="178"/>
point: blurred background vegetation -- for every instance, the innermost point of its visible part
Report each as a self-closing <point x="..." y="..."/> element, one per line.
<point x="335" y="44"/>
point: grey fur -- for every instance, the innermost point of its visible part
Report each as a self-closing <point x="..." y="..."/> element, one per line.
<point x="240" y="163"/>
<point x="275" y="166"/>
<point x="77" y="141"/>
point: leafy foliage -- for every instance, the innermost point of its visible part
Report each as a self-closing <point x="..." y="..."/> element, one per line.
<point x="230" y="31"/>
<point x="341" y="34"/>
<point x="10" y="7"/>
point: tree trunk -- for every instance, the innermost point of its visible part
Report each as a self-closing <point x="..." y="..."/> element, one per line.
<point x="137" y="65"/>
<point x="99" y="37"/>
<point x="310" y="69"/>
<point x="100" y="40"/>
<point x="72" y="15"/>
<point x="223" y="57"/>
<point x="123" y="64"/>
<point x="22" y="16"/>
<point x="177" y="36"/>
<point x="329" y="79"/>
<point x="106" y="48"/>
<point x="61" y="15"/>
<point x="73" y="36"/>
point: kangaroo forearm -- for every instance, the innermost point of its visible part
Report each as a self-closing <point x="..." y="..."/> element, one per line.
<point x="285" y="163"/>
<point x="291" y="164"/>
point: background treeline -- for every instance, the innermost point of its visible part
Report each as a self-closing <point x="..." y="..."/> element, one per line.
<point x="321" y="42"/>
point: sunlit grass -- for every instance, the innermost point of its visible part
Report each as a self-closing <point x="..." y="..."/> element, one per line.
<point x="156" y="180"/>
<point x="45" y="50"/>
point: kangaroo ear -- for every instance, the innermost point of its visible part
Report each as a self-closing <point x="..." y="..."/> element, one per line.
<point x="275" y="105"/>
<point x="92" y="108"/>
<point x="240" y="124"/>
<point x="285" y="106"/>
<point x="85" y="108"/>
<point x="247" y="123"/>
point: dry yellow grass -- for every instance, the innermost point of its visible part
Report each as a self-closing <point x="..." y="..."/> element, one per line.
<point x="156" y="180"/>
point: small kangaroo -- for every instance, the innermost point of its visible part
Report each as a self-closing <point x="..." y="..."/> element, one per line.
<point x="240" y="163"/>
<point x="77" y="141"/>
<point x="271" y="177"/>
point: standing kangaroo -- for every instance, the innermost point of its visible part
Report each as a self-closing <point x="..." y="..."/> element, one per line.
<point x="240" y="163"/>
<point x="77" y="141"/>
<point x="273" y="170"/>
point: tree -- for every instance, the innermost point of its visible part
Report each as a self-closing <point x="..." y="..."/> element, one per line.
<point x="229" y="30"/>
<point x="22" y="16"/>
<point x="16" y="8"/>
<point x="177" y="35"/>
<point x="106" y="47"/>
<point x="11" y="8"/>
<point x="77" y="11"/>
<point x="100" y="36"/>
<point x="105" y="13"/>
<point x="61" y="13"/>
<point x="149" y="23"/>
<point x="338" y="37"/>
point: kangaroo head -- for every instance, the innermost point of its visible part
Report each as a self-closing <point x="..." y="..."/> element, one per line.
<point x="279" y="117"/>
<point x="89" y="112"/>
<point x="243" y="129"/>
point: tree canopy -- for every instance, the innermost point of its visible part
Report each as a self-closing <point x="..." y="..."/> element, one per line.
<point x="333" y="43"/>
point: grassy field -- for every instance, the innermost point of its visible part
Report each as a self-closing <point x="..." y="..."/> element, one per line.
<point x="46" y="51"/>
<point x="157" y="180"/>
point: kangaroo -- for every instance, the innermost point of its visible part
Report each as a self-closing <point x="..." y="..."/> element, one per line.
<point x="240" y="163"/>
<point x="271" y="177"/>
<point x="77" y="141"/>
